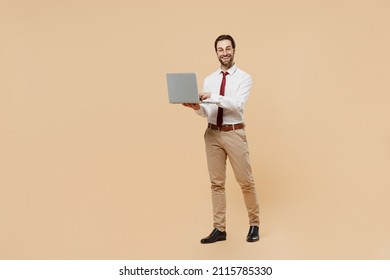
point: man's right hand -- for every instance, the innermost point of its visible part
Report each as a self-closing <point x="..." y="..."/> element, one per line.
<point x="194" y="106"/>
<point x="204" y="95"/>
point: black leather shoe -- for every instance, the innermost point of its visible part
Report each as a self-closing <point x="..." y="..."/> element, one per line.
<point x="214" y="236"/>
<point x="253" y="234"/>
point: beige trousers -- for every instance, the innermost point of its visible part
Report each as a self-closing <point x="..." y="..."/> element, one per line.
<point x="221" y="145"/>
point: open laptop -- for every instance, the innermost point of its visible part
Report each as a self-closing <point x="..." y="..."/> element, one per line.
<point x="183" y="88"/>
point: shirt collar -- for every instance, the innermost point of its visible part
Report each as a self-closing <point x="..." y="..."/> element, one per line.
<point x="232" y="69"/>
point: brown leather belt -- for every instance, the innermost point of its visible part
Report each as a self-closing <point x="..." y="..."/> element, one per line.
<point x="226" y="127"/>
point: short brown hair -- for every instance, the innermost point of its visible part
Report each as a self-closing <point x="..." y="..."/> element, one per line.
<point x="224" y="37"/>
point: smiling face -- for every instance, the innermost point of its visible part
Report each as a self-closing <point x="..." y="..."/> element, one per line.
<point x="225" y="54"/>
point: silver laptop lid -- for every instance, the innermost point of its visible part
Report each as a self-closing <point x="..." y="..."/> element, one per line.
<point x="182" y="88"/>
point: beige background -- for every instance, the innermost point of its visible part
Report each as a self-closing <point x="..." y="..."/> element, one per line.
<point x="95" y="164"/>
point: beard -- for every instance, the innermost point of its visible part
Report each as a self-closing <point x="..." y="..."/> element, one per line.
<point x="226" y="61"/>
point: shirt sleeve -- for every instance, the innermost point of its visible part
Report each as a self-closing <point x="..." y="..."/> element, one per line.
<point x="237" y="102"/>
<point x="202" y="111"/>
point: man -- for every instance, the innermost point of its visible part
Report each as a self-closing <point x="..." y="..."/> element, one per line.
<point x="225" y="138"/>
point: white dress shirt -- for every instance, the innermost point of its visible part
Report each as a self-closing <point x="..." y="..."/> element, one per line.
<point x="237" y="88"/>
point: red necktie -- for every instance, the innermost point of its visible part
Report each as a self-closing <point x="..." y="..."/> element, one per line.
<point x="221" y="93"/>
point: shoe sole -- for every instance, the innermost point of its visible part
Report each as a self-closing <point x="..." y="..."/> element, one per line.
<point x="219" y="239"/>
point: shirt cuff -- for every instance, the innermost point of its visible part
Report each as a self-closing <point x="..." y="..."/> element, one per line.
<point x="201" y="111"/>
